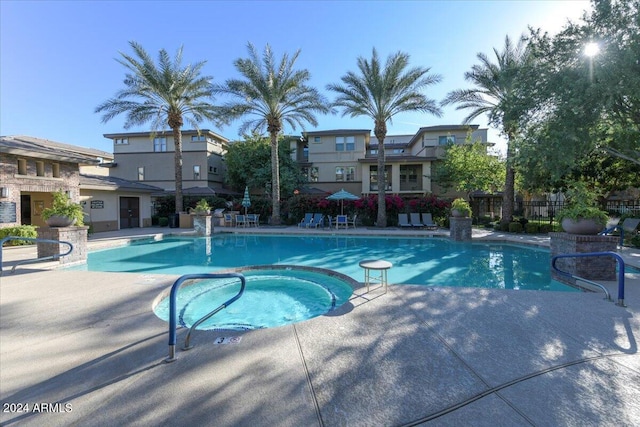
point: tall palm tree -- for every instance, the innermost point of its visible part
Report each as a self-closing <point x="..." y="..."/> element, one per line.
<point x="163" y="94"/>
<point x="498" y="94"/>
<point x="381" y="93"/>
<point x="271" y="93"/>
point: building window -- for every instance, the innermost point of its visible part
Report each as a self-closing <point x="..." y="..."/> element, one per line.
<point x="198" y="138"/>
<point x="313" y="174"/>
<point x="410" y="178"/>
<point x="345" y="143"/>
<point x="196" y="172"/>
<point x="305" y="153"/>
<point x="40" y="168"/>
<point x="160" y="144"/>
<point x="141" y="173"/>
<point x="374" y="152"/>
<point x="22" y="167"/>
<point x="339" y="173"/>
<point x="55" y="170"/>
<point x="350" y="172"/>
<point x="121" y="141"/>
<point x="446" y="139"/>
<point x="373" y="177"/>
<point x="317" y="139"/>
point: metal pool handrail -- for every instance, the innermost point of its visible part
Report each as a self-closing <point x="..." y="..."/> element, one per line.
<point x="173" y="321"/>
<point x="37" y="240"/>
<point x="595" y="254"/>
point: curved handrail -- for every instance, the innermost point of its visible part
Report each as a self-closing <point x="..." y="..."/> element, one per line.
<point x="595" y="254"/>
<point x="173" y="321"/>
<point x="611" y="230"/>
<point x="37" y="240"/>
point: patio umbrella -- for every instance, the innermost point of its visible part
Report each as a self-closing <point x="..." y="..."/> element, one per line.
<point x="246" y="201"/>
<point x="342" y="195"/>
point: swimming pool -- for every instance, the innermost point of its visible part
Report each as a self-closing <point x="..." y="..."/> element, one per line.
<point x="416" y="260"/>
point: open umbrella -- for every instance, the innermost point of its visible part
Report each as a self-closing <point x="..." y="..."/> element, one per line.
<point x="246" y="201"/>
<point x="342" y="195"/>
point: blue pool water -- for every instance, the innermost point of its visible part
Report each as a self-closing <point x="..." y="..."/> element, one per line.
<point x="271" y="298"/>
<point x="421" y="261"/>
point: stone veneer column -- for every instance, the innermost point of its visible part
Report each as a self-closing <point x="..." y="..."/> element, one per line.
<point x="460" y="229"/>
<point x="592" y="268"/>
<point x="77" y="236"/>
<point x="202" y="225"/>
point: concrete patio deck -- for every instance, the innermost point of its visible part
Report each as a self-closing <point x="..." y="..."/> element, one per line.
<point x="84" y="348"/>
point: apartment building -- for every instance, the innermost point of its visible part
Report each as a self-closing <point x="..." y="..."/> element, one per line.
<point x="149" y="158"/>
<point x="347" y="158"/>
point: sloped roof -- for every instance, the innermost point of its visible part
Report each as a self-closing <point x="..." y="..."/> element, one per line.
<point x="100" y="182"/>
<point x="29" y="146"/>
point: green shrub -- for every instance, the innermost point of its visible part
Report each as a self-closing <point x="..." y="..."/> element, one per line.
<point x="546" y="228"/>
<point x="502" y="227"/>
<point x="163" y="221"/>
<point x="515" y="227"/>
<point x="19" y="231"/>
<point x="635" y="241"/>
<point x="531" y="228"/>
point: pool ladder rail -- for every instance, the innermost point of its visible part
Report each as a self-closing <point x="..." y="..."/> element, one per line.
<point x="173" y="321"/>
<point x="37" y="240"/>
<point x="618" y="259"/>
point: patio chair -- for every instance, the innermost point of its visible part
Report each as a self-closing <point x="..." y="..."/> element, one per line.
<point x="308" y="217"/>
<point x="317" y="221"/>
<point x="352" y="221"/>
<point x="403" y="220"/>
<point x="252" y="220"/>
<point x="427" y="220"/>
<point x="228" y="220"/>
<point x="415" y="220"/>
<point x="241" y="221"/>
<point x="342" y="220"/>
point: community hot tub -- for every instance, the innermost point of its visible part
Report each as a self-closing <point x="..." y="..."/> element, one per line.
<point x="273" y="296"/>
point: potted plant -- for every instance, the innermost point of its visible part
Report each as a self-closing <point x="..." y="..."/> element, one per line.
<point x="63" y="212"/>
<point x="202" y="208"/>
<point x="581" y="214"/>
<point x="460" y="208"/>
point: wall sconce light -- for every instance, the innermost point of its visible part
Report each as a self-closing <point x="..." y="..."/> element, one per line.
<point x="4" y="192"/>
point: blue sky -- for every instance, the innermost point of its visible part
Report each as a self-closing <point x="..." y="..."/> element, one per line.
<point x="58" y="57"/>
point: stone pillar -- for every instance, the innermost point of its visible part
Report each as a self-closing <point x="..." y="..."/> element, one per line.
<point x="591" y="268"/>
<point x="202" y="225"/>
<point x="77" y="236"/>
<point x="460" y="229"/>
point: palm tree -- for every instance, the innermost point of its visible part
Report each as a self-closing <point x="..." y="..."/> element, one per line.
<point x="271" y="93"/>
<point x="381" y="93"/>
<point x="497" y="94"/>
<point x="166" y="93"/>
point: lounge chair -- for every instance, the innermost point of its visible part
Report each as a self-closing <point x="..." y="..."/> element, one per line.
<point x="308" y="217"/>
<point x="403" y="220"/>
<point x="342" y="220"/>
<point x="427" y="220"/>
<point x="241" y="221"/>
<point x="317" y="221"/>
<point x="628" y="226"/>
<point x="415" y="220"/>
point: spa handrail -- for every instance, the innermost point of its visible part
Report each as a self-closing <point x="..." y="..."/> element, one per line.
<point x="595" y="254"/>
<point x="37" y="240"/>
<point x="173" y="321"/>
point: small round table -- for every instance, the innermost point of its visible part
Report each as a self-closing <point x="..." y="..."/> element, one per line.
<point x="378" y="265"/>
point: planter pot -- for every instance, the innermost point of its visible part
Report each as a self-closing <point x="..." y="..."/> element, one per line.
<point x="59" y="221"/>
<point x="581" y="226"/>
<point x="458" y="214"/>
